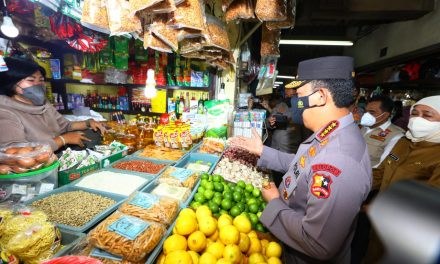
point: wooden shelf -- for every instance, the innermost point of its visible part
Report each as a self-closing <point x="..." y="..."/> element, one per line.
<point x="417" y="84"/>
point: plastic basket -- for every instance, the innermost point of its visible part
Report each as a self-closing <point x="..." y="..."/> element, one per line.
<point x="68" y="240"/>
<point x="143" y="174"/>
<point x="194" y="157"/>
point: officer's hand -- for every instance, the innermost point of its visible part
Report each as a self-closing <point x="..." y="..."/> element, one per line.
<point x="270" y="193"/>
<point x="253" y="145"/>
<point x="97" y="125"/>
<point x="75" y="138"/>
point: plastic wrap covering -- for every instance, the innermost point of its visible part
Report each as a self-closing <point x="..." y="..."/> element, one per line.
<point x="94" y="15"/>
<point x="166" y="33"/>
<point x="240" y="9"/>
<point x="271" y="10"/>
<point x="290" y="21"/>
<point x="270" y="42"/>
<point x="189" y="14"/>
<point x="153" y="42"/>
<point x="218" y="36"/>
<point x="139" y="5"/>
<point x="120" y="20"/>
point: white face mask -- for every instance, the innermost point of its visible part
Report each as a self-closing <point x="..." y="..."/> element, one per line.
<point x="369" y="120"/>
<point x="420" y="128"/>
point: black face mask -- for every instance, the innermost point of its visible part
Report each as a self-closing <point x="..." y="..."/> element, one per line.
<point x="299" y="104"/>
<point x="35" y="93"/>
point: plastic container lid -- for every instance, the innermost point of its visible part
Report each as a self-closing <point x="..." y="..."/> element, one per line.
<point x="30" y="174"/>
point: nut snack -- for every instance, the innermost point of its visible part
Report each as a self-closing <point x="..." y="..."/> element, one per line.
<point x="161" y="153"/>
<point x="139" y="5"/>
<point x="165" y="33"/>
<point x="240" y="9"/>
<point x="189" y="14"/>
<point x="270" y="42"/>
<point x="218" y="35"/>
<point x="166" y="6"/>
<point x="150" y="207"/>
<point x="179" y="177"/>
<point x="75" y="208"/>
<point x="290" y="21"/>
<point x="120" y="20"/>
<point x="94" y="15"/>
<point x="139" y="166"/>
<point x="271" y="10"/>
<point x="226" y="4"/>
<point x="153" y="42"/>
<point x="127" y="236"/>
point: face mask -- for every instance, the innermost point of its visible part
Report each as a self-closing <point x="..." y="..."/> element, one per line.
<point x="299" y="104"/>
<point x="35" y="93"/>
<point x="369" y="120"/>
<point x="421" y="128"/>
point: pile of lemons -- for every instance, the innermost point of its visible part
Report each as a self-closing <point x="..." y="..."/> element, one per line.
<point x="199" y="238"/>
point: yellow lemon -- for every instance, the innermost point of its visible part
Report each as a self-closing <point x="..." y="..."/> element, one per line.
<point x="252" y="234"/>
<point x="255" y="246"/>
<point x="174" y="243"/>
<point x="255" y="258"/>
<point x="209" y="242"/>
<point x="244" y="242"/>
<point x="207" y="225"/>
<point x="264" y="243"/>
<point x="214" y="236"/>
<point x="229" y="235"/>
<point x="203" y="211"/>
<point x="178" y="257"/>
<point x="243" y="224"/>
<point x="207" y="258"/>
<point x="174" y="230"/>
<point x="223" y="261"/>
<point x="216" y="249"/>
<point x="186" y="225"/>
<point x="273" y="249"/>
<point x="224" y="220"/>
<point x="161" y="259"/>
<point x="197" y="241"/>
<point x="194" y="256"/>
<point x="187" y="212"/>
<point x="274" y="260"/>
<point x="232" y="253"/>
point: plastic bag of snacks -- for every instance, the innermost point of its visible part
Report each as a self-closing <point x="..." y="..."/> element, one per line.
<point x="120" y="20"/>
<point x="289" y="22"/>
<point x="174" y="176"/>
<point x="35" y="244"/>
<point x="189" y="14"/>
<point x="240" y="9"/>
<point x="165" y="33"/>
<point x="150" y="207"/>
<point x="164" y="7"/>
<point x="271" y="10"/>
<point x="270" y="42"/>
<point x="73" y="259"/>
<point x="70" y="159"/>
<point x="153" y="42"/>
<point x="139" y="5"/>
<point x="25" y="157"/>
<point x="94" y="15"/>
<point x="187" y="33"/>
<point x="212" y="146"/>
<point x="218" y="36"/>
<point x="179" y="193"/>
<point x="226" y="4"/>
<point x="127" y="236"/>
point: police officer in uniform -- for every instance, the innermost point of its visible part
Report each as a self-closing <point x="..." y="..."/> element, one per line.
<point x="313" y="212"/>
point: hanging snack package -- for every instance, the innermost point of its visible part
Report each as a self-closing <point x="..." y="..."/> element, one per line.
<point x="166" y="33"/>
<point x="271" y="10"/>
<point x="289" y="22"/>
<point x="217" y="116"/>
<point x="150" y="207"/>
<point x="240" y="9"/>
<point x="187" y="33"/>
<point x="189" y="14"/>
<point x="226" y="4"/>
<point x="120" y="20"/>
<point x="191" y="45"/>
<point x="270" y="42"/>
<point x="163" y="7"/>
<point x="139" y="5"/>
<point x="94" y="15"/>
<point x="218" y="36"/>
<point x="153" y="42"/>
<point x="127" y="236"/>
<point x="178" y="2"/>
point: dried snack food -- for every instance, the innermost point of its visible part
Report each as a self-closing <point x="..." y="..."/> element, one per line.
<point x="212" y="146"/>
<point x="166" y="33"/>
<point x="161" y="153"/>
<point x="75" y="208"/>
<point x="191" y="45"/>
<point x="188" y="33"/>
<point x="139" y="5"/>
<point x="189" y="14"/>
<point x="153" y="42"/>
<point x="271" y="10"/>
<point x="139" y="166"/>
<point x="127" y="236"/>
<point x="120" y="20"/>
<point x="179" y="193"/>
<point x="218" y="36"/>
<point x="289" y="22"/>
<point x="20" y="222"/>
<point x="226" y="4"/>
<point x="150" y="207"/>
<point x="179" y="177"/>
<point x="163" y="7"/>
<point x="94" y="15"/>
<point x="239" y="9"/>
<point x="270" y="42"/>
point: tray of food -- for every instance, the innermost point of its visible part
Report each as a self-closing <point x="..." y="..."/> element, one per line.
<point x="161" y="153"/>
<point x="147" y="167"/>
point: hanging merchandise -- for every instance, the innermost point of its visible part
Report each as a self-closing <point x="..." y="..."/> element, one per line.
<point x="106" y="57"/>
<point x="271" y="10"/>
<point x="153" y="42"/>
<point x="140" y="54"/>
<point x="187" y="33"/>
<point x="94" y="15"/>
<point x="72" y="8"/>
<point x="218" y="35"/>
<point x="164" y="7"/>
<point x="178" y="70"/>
<point x="226" y="4"/>
<point x="289" y="22"/>
<point x="240" y="10"/>
<point x="64" y="27"/>
<point x="121" y="52"/>
<point x="270" y="42"/>
<point x="190" y="14"/>
<point x="164" y="32"/>
<point x="217" y="118"/>
<point x="267" y="76"/>
<point x="87" y="42"/>
<point x="41" y="20"/>
<point x="21" y="7"/>
<point x="140" y="5"/>
<point x="120" y="20"/>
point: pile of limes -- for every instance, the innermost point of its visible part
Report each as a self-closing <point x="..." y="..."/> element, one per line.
<point x="229" y="198"/>
<point x="200" y="238"/>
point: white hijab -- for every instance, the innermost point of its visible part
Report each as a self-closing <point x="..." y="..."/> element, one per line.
<point x="434" y="103"/>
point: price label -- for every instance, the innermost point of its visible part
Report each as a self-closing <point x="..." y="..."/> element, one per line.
<point x="129" y="227"/>
<point x="181" y="174"/>
<point x="144" y="200"/>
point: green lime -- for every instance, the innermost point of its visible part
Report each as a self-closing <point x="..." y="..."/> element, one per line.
<point x="216" y="178"/>
<point x="237" y="196"/>
<point x="203" y="183"/>
<point x="253" y="218"/>
<point x="218" y="187"/>
<point x="241" y="206"/>
<point x="235" y="211"/>
<point x="213" y="207"/>
<point x="246" y="208"/>
<point x="259" y="214"/>
<point x="208" y="194"/>
<point x="245" y="214"/>
<point x="251" y="201"/>
<point x="217" y="194"/>
<point x="260" y="228"/>
<point x="216" y="215"/>
<point x="253" y="208"/>
<point x="199" y="197"/>
<point x="248" y="195"/>
<point x="249" y="187"/>
<point x="226" y="188"/>
<point x="238" y="189"/>
<point x="194" y="205"/>
<point x="232" y="188"/>
<point x="226" y="204"/>
<point x="222" y="212"/>
<point x="217" y="200"/>
<point x="209" y="186"/>
<point x="210" y="178"/>
<point x="256" y="192"/>
<point x="227" y="195"/>
<point x="262" y="206"/>
<point x="201" y="189"/>
<point x="205" y="176"/>
<point x="241" y="184"/>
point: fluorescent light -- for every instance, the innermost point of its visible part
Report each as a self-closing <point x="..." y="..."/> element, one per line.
<point x="316" y="42"/>
<point x="278" y="82"/>
<point x="286" y="77"/>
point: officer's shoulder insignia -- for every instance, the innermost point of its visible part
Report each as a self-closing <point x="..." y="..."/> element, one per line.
<point x="321" y="186"/>
<point x="377" y="137"/>
<point x="327" y="168"/>
<point x="327" y="130"/>
<point x="287" y="181"/>
<point x="324" y="142"/>
<point x="384" y="133"/>
<point x="302" y="161"/>
<point x="393" y="157"/>
<point x="312" y="151"/>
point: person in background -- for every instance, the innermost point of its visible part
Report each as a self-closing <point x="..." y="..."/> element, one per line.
<point x="415" y="156"/>
<point x="26" y="115"/>
<point x="378" y="131"/>
<point x="313" y="212"/>
<point x="398" y="111"/>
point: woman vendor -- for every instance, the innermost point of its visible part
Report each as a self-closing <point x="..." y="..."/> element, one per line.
<point x="26" y="115"/>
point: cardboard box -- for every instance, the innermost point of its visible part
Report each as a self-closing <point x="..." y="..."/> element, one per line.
<point x="68" y="176"/>
<point x="105" y="162"/>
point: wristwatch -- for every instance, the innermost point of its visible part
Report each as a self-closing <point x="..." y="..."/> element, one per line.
<point x="88" y="123"/>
